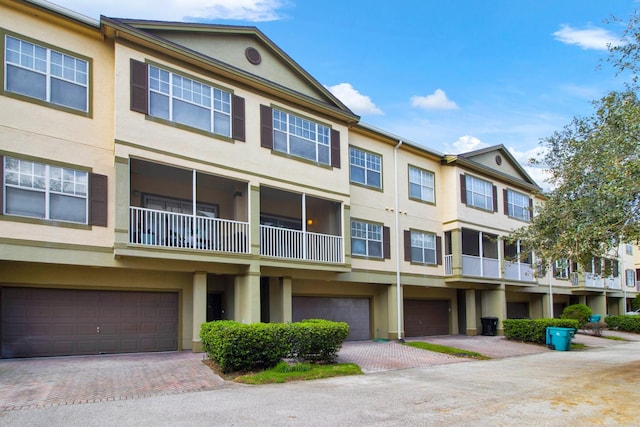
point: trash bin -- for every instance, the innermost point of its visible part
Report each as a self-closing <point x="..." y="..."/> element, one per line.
<point x="595" y="318"/>
<point x="489" y="325"/>
<point x="559" y="338"/>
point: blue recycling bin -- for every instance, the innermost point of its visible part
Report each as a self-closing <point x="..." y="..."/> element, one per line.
<point x="559" y="338"/>
<point x="595" y="318"/>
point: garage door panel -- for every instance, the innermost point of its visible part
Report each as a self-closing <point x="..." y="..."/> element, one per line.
<point x="353" y="311"/>
<point x="52" y="322"/>
<point x="426" y="317"/>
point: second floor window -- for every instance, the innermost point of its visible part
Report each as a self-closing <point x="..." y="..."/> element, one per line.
<point x="301" y="137"/>
<point x="365" y="168"/>
<point x="421" y="184"/>
<point x="189" y="102"/>
<point x="517" y="205"/>
<point x="46" y="74"/>
<point x="423" y="247"/>
<point x="479" y="193"/>
<point x="366" y="239"/>
<point x="44" y="191"/>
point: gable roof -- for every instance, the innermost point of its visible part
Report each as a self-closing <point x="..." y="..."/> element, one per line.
<point x="196" y="43"/>
<point x="495" y="161"/>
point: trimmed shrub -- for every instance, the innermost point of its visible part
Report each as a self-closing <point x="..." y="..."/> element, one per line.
<point x="624" y="323"/>
<point x="579" y="312"/>
<point x="534" y="330"/>
<point x="238" y="347"/>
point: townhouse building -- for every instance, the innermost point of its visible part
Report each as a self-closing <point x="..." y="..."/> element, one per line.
<point x="158" y="175"/>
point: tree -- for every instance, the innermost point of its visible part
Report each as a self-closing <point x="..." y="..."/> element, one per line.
<point x="594" y="168"/>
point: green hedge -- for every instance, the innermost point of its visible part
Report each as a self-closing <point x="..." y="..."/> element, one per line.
<point x="242" y="347"/>
<point x="534" y="330"/>
<point x="624" y="323"/>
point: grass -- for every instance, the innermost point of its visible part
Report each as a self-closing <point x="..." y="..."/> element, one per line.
<point x="577" y="346"/>
<point x="611" y="337"/>
<point x="284" y="372"/>
<point x="447" y="350"/>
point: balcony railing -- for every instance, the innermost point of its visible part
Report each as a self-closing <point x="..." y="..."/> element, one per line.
<point x="173" y="230"/>
<point x="300" y="245"/>
<point x="612" y="282"/>
<point x="519" y="271"/>
<point x="592" y="280"/>
<point x="448" y="265"/>
<point x="482" y="267"/>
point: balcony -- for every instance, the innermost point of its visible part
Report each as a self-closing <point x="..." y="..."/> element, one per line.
<point x="150" y="227"/>
<point x="519" y="271"/>
<point x="300" y="245"/>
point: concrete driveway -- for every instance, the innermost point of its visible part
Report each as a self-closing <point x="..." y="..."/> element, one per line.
<point x="44" y="382"/>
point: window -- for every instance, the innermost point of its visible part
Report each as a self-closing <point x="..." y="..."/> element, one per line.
<point x="629" y="278"/>
<point x="48" y="75"/>
<point x="365" y="168"/>
<point x="423" y="247"/>
<point x="517" y="205"/>
<point x="478" y="193"/>
<point x="366" y="239"/>
<point x="628" y="249"/>
<point x="421" y="184"/>
<point x="301" y="137"/>
<point x="562" y="269"/>
<point x="188" y="102"/>
<point x="44" y="191"/>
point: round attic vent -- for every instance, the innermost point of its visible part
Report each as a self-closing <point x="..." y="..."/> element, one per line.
<point x="253" y="55"/>
<point x="498" y="160"/>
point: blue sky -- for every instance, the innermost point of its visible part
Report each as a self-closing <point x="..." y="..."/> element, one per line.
<point x="452" y="75"/>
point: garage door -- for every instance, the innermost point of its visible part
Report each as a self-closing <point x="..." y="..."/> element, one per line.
<point x="59" y="322"/>
<point x="517" y="310"/>
<point x="426" y="317"/>
<point x="354" y="311"/>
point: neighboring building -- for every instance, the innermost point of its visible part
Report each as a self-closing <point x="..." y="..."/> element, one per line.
<point x="158" y="175"/>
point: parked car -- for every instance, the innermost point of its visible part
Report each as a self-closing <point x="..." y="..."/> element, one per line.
<point x="635" y="312"/>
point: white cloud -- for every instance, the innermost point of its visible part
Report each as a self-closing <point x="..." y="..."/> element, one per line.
<point x="357" y="102"/>
<point x="587" y="38"/>
<point x="179" y="10"/>
<point x="436" y="101"/>
<point x="465" y="144"/>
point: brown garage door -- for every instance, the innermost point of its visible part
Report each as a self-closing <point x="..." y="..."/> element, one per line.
<point x="426" y="317"/>
<point x="517" y="310"/>
<point x="354" y="311"/>
<point x="60" y="322"/>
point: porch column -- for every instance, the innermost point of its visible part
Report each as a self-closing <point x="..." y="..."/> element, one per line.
<point x="546" y="302"/>
<point x="392" y="312"/>
<point x="247" y="292"/>
<point x="622" y="304"/>
<point x="494" y="304"/>
<point x="280" y="299"/>
<point x="122" y="201"/>
<point x="598" y="304"/>
<point x="456" y="252"/>
<point x="470" y="309"/>
<point x="199" y="307"/>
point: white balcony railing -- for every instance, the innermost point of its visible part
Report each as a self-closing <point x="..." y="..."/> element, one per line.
<point x="592" y="280"/>
<point x="300" y="245"/>
<point x="519" y="271"/>
<point x="173" y="230"/>
<point x="612" y="282"/>
<point x="482" y="267"/>
<point x="448" y="265"/>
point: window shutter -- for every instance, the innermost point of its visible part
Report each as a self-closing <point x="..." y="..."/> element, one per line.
<point x="530" y="209"/>
<point x="439" y="250"/>
<point x="335" y="148"/>
<point x="98" y="200"/>
<point x="407" y="245"/>
<point x="139" y="87"/>
<point x="266" y="127"/>
<point x="495" y="198"/>
<point x="463" y="189"/>
<point x="238" y="123"/>
<point x="2" y="185"/>
<point x="386" y="242"/>
<point x="505" y="201"/>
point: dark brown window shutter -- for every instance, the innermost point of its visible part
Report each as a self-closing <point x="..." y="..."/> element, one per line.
<point x="407" y="245"/>
<point x="335" y="148"/>
<point x="98" y="200"/>
<point x="386" y="242"/>
<point x="495" y="198"/>
<point x="139" y="87"/>
<point x="530" y="209"/>
<point x="266" y="127"/>
<point x="463" y="189"/>
<point x="238" y="125"/>
<point x="2" y="185"/>
<point x="439" y="250"/>
<point x="505" y="196"/>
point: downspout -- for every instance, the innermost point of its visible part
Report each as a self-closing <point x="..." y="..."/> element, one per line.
<point x="398" y="264"/>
